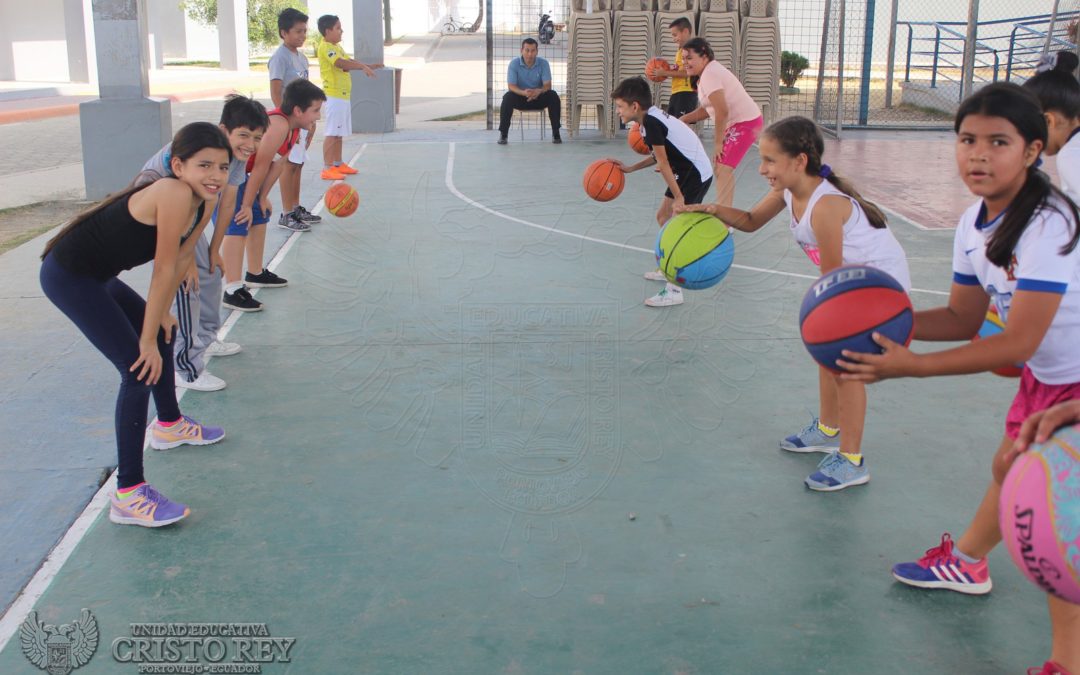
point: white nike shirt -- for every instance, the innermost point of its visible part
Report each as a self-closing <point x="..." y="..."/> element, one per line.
<point x="1037" y="265"/>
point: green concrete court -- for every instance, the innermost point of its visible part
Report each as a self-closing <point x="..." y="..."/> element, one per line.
<point x="437" y="434"/>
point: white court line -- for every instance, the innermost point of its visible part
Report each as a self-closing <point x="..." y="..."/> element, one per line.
<point x="54" y="561"/>
<point x="472" y="202"/>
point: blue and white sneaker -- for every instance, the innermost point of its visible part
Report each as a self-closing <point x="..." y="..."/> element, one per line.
<point x="835" y="472"/>
<point x="811" y="439"/>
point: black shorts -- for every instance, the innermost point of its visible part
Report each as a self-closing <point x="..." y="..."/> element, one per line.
<point x="681" y="103"/>
<point x="693" y="190"/>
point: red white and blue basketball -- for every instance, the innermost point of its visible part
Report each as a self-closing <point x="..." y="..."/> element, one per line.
<point x="695" y="250"/>
<point x="1039" y="514"/>
<point x="992" y="326"/>
<point x="846" y="306"/>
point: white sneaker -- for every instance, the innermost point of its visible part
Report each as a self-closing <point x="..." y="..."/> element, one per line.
<point x="671" y="295"/>
<point x="655" y="275"/>
<point x="219" y="348"/>
<point x="205" y="382"/>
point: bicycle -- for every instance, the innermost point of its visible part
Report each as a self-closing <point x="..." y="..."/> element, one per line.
<point x="453" y="26"/>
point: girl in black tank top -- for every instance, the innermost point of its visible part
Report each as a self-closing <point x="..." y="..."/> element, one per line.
<point x="162" y="222"/>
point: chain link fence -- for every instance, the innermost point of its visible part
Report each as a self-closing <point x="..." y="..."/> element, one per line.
<point x="864" y="63"/>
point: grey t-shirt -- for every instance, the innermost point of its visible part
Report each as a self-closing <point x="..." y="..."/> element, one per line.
<point x="287" y="65"/>
<point x="157" y="167"/>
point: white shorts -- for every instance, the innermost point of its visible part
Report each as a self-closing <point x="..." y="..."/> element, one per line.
<point x="298" y="154"/>
<point x="337" y="117"/>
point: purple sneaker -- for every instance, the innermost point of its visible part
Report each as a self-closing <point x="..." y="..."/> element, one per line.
<point x="146" y="507"/>
<point x="185" y="432"/>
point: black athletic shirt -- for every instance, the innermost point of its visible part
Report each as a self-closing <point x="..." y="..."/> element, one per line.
<point x="110" y="241"/>
<point x="687" y="156"/>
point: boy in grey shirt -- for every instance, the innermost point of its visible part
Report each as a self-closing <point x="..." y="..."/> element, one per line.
<point x="289" y="63"/>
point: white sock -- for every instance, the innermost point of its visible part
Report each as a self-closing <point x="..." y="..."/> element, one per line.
<point x="672" y="288"/>
<point x="233" y="286"/>
<point x="965" y="557"/>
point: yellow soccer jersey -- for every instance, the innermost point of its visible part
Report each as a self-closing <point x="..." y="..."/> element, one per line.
<point x="678" y="84"/>
<point x="335" y="81"/>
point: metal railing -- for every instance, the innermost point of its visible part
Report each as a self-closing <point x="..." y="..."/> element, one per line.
<point x="1016" y="48"/>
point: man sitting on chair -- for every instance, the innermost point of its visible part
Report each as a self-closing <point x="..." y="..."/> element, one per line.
<point x="529" y="79"/>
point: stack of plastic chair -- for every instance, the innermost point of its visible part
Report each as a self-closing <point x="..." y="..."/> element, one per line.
<point x="669" y="10"/>
<point x="718" y="23"/>
<point x="591" y="6"/>
<point x="633" y="41"/>
<point x="588" y="68"/>
<point x="760" y="54"/>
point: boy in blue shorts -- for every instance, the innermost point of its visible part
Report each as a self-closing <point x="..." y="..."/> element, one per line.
<point x="301" y="103"/>
<point x="198" y="300"/>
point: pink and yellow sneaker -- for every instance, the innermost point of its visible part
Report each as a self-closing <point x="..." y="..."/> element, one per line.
<point x="146" y="507"/>
<point x="184" y="432"/>
<point x="941" y="568"/>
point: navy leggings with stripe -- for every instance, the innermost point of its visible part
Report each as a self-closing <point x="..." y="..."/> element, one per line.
<point x="110" y="315"/>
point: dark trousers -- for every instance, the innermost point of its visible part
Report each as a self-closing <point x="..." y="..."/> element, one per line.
<point x="511" y="102"/>
<point x="681" y="103"/>
<point x="110" y="315"/>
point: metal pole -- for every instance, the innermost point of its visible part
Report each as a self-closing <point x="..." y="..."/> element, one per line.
<point x="840" y="74"/>
<point x="1049" y="33"/>
<point x="968" y="78"/>
<point x="892" y="54"/>
<point x="490" y="67"/>
<point x="867" y="55"/>
<point x="821" y="62"/>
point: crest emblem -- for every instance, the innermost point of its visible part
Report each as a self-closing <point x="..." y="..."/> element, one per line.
<point x="59" y="649"/>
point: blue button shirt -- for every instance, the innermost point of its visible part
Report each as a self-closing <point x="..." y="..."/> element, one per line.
<point x="528" y="78"/>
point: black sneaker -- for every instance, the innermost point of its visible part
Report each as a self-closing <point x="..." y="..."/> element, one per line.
<point x="502" y="140"/>
<point x="306" y="216"/>
<point x="556" y="138"/>
<point x="264" y="279"/>
<point x="290" y="222"/>
<point x="241" y="301"/>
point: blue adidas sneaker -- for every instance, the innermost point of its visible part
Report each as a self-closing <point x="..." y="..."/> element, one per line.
<point x="836" y="472"/>
<point x="811" y="439"/>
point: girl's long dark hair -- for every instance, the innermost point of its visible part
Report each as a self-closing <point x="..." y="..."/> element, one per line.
<point x="799" y="135"/>
<point x="1057" y="88"/>
<point x="1020" y="108"/>
<point x="189" y="140"/>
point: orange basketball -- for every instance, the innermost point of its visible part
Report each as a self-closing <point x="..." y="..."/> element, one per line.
<point x="341" y="200"/>
<point x="635" y="141"/>
<point x="655" y="66"/>
<point x="604" y="180"/>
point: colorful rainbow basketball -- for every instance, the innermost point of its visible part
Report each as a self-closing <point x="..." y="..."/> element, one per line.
<point x="1039" y="514"/>
<point x="844" y="307"/>
<point x="341" y="200"/>
<point x="695" y="250"/>
<point x="603" y="180"/>
<point x="635" y="141"/>
<point x="654" y="66"/>
<point x="992" y="326"/>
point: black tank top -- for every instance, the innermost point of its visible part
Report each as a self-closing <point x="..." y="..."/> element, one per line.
<point x="111" y="241"/>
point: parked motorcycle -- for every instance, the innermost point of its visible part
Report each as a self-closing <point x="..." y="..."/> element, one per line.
<point x="546" y="29"/>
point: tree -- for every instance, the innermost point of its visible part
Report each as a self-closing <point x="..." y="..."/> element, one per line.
<point x="262" y="18"/>
<point x="792" y="66"/>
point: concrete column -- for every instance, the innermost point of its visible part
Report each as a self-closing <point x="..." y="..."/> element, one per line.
<point x="232" y="34"/>
<point x="124" y="127"/>
<point x="372" y="99"/>
<point x="79" y="34"/>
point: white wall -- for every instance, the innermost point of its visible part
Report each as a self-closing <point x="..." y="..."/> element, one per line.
<point x="175" y="36"/>
<point x="33" y="45"/>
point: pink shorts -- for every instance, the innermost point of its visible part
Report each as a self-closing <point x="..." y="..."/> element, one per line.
<point x="737" y="140"/>
<point x="1033" y="397"/>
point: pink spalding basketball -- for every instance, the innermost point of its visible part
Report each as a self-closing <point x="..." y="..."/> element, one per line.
<point x="1040" y="514"/>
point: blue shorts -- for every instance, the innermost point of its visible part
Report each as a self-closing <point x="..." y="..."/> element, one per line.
<point x="257" y="216"/>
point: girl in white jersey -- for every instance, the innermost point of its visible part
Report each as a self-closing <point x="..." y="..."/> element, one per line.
<point x="835" y="226"/>
<point x="1059" y="94"/>
<point x="1015" y="247"/>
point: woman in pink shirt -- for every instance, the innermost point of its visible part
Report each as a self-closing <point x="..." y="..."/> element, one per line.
<point x="734" y="114"/>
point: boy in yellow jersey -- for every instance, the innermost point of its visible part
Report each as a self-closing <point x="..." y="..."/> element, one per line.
<point x="334" y="65"/>
<point x="683" y="97"/>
